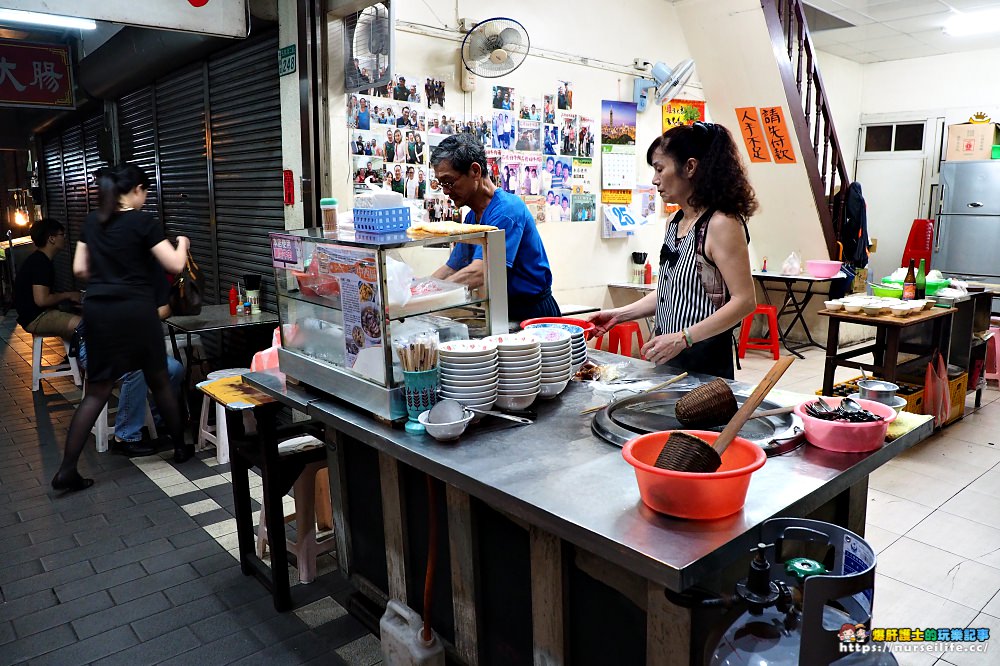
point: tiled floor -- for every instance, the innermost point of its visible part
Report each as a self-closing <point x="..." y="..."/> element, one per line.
<point x="933" y="517"/>
<point x="141" y="568"/>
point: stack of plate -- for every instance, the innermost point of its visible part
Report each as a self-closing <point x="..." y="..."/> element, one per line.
<point x="469" y="372"/>
<point x="557" y="354"/>
<point x="578" y="342"/>
<point x="520" y="369"/>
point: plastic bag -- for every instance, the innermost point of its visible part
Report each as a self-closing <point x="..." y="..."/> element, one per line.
<point x="937" y="398"/>
<point x="400" y="276"/>
<point x="792" y="265"/>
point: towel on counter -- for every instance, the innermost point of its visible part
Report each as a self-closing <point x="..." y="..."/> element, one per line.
<point x="904" y="423"/>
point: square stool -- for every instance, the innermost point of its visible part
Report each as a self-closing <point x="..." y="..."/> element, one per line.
<point x="48" y="372"/>
<point x="103" y="433"/>
<point x="216" y="434"/>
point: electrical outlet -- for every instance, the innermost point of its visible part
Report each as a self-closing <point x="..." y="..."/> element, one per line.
<point x="873" y="247"/>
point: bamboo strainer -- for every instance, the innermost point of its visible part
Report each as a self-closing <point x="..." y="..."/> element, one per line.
<point x="707" y="405"/>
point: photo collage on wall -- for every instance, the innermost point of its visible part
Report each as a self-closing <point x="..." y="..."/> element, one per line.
<point x="537" y="147"/>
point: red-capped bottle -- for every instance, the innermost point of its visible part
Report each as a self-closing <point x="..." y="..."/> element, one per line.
<point x="234" y="300"/>
<point x="647" y="274"/>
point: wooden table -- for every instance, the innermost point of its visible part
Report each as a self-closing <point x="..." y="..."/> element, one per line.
<point x="886" y="347"/>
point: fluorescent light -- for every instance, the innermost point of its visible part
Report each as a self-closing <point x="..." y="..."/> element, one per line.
<point x="18" y="16"/>
<point x="973" y="23"/>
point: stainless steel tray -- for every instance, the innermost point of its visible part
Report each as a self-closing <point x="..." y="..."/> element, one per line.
<point x="652" y="412"/>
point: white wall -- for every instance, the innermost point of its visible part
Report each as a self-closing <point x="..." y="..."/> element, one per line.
<point x="291" y="128"/>
<point x="843" y="81"/>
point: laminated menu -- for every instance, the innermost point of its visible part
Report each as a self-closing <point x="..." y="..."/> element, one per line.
<point x="357" y="273"/>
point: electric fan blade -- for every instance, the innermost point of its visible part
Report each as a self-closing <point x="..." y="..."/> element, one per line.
<point x="477" y="45"/>
<point x="510" y="36"/>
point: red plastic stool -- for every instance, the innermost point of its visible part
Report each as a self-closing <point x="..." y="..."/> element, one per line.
<point x="770" y="342"/>
<point x="620" y="338"/>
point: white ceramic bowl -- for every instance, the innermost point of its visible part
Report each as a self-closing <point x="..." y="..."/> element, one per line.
<point x="556" y="369"/>
<point x="519" y="384"/>
<point x="466" y="347"/>
<point x="872" y="310"/>
<point x="466" y="380"/>
<point x="470" y="386"/>
<point x="446" y="432"/>
<point x="548" y="391"/>
<point x="520" y="366"/>
<point x="481" y="403"/>
<point x="557" y="357"/>
<point x="468" y="368"/>
<point x="520" y="375"/>
<point x="468" y="360"/>
<point x="512" y="341"/>
<point x="469" y="395"/>
<point x="549" y="336"/>
<point x="833" y="306"/>
<point x="516" y="402"/>
<point x="554" y="377"/>
<point x="853" y="308"/>
<point x="898" y="402"/>
<point x="900" y="310"/>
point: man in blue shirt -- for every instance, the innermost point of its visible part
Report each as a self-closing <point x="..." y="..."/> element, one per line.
<point x="459" y="163"/>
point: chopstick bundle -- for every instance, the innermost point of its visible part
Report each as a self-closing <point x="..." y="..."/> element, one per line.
<point x="419" y="354"/>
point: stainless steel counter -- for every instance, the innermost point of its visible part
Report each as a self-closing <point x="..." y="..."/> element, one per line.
<point x="555" y="474"/>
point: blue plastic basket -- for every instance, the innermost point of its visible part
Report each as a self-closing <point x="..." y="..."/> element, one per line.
<point x="382" y="220"/>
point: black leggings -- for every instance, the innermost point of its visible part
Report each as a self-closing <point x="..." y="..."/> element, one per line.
<point x="98" y="393"/>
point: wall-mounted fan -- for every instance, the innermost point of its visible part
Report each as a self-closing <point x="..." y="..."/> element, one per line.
<point x="369" y="47"/>
<point x="667" y="81"/>
<point x="495" y="47"/>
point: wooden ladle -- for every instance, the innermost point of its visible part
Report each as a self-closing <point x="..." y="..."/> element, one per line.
<point x="684" y="452"/>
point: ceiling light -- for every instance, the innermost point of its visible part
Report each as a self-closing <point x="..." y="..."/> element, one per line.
<point x="974" y="23"/>
<point x="36" y="18"/>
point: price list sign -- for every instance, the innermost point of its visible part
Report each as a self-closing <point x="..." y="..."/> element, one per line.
<point x="286" y="252"/>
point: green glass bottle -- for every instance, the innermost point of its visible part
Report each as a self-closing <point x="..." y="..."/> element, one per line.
<point x="922" y="280"/>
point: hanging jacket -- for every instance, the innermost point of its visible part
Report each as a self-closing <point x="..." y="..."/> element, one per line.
<point x="854" y="232"/>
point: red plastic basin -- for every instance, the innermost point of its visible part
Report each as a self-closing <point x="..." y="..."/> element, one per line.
<point x="690" y="494"/>
<point x="843" y="436"/>
<point x="588" y="328"/>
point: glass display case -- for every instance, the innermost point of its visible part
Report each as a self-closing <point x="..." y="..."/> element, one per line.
<point x="344" y="296"/>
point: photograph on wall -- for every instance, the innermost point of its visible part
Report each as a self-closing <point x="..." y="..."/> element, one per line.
<point x="493" y="164"/>
<point x="531" y="181"/>
<point x="482" y="128"/>
<point x="585" y="137"/>
<point x="439" y="208"/>
<point x="503" y="129"/>
<point x="415" y="181"/>
<point x="510" y="172"/>
<point x="366" y="143"/>
<point x="404" y="89"/>
<point x="645" y="197"/>
<point x="547" y="171"/>
<point x="503" y="98"/>
<point x="383" y="112"/>
<point x="553" y="211"/>
<point x="562" y="176"/>
<point x="416" y="149"/>
<point x="584" y="208"/>
<point x="681" y="112"/>
<point x="409" y="116"/>
<point x="568" y="130"/>
<point x="434" y="93"/>
<point x="549" y="109"/>
<point x="536" y="204"/>
<point x="393" y="144"/>
<point x="582" y="179"/>
<point x="563" y="198"/>
<point x="449" y="123"/>
<point x="617" y="123"/>
<point x="367" y="170"/>
<point x="531" y="109"/>
<point x="564" y="96"/>
<point x="550" y="140"/>
<point x="528" y="136"/>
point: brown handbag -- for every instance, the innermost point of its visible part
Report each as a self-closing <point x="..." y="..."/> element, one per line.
<point x="185" y="293"/>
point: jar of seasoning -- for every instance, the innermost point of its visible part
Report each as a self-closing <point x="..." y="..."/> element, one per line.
<point x="329" y="209"/>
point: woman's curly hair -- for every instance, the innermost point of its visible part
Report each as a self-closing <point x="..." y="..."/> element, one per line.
<point x="720" y="182"/>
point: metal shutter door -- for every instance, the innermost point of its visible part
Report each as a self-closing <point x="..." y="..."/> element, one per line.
<point x="75" y="184"/>
<point x="137" y="138"/>
<point x="55" y="203"/>
<point x="92" y="157"/>
<point x="246" y="162"/>
<point x="184" y="191"/>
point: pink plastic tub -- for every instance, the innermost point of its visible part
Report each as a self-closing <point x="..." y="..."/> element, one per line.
<point x="690" y="494"/>
<point x="847" y="437"/>
<point x="822" y="268"/>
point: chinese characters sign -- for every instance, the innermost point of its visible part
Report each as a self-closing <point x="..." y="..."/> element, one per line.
<point x="765" y="127"/>
<point x="682" y="112"/>
<point x="753" y="135"/>
<point x="39" y="75"/>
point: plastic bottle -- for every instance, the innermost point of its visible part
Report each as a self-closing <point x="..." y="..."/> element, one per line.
<point x="922" y="280"/>
<point x="647" y="274"/>
<point x="234" y="300"/>
<point x="402" y="642"/>
<point x="910" y="284"/>
<point x="329" y="208"/>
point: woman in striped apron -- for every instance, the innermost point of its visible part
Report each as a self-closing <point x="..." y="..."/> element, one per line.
<point x="705" y="288"/>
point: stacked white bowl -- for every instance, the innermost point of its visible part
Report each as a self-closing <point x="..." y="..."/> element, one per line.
<point x="557" y="360"/>
<point x="578" y="343"/>
<point x="469" y="372"/>
<point x="520" y="359"/>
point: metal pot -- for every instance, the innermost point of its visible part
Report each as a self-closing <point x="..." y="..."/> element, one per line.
<point x="878" y="390"/>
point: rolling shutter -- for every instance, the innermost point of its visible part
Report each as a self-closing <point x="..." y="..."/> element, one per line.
<point x="75" y="185"/>
<point x="92" y="129"/>
<point x="246" y="162"/>
<point x="184" y="183"/>
<point x="55" y="202"/>
<point x="137" y="137"/>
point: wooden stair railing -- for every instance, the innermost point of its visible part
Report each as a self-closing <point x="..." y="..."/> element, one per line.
<point x="812" y="119"/>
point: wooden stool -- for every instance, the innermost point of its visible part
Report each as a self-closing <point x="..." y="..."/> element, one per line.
<point x="769" y="343"/>
<point x="216" y="434"/>
<point x="39" y="372"/>
<point x="312" y="510"/>
<point x="620" y="338"/>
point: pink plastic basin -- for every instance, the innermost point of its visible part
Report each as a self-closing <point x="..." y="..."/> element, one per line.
<point x="690" y="494"/>
<point x="822" y="268"/>
<point x="847" y="437"/>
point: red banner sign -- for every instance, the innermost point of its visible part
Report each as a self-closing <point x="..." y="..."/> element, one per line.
<point x="39" y="75"/>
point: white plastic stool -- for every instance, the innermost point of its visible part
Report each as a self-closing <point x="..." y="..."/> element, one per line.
<point x="198" y="351"/>
<point x="217" y="434"/>
<point x="306" y="546"/>
<point x="102" y="433"/>
<point x="48" y="372"/>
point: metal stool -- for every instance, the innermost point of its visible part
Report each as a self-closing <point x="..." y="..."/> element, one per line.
<point x="39" y="372"/>
<point x="769" y="343"/>
<point x="216" y="434"/>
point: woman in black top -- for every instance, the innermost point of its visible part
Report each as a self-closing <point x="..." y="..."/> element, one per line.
<point x="119" y="253"/>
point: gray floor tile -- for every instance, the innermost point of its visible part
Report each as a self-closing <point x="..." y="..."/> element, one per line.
<point x="939" y="572"/>
<point x="177" y="617"/>
<point x="90" y="649"/>
<point x="120" y="615"/>
<point x="154" y="651"/>
<point x="62" y="613"/>
<point x="38" y="644"/>
<point x="223" y="651"/>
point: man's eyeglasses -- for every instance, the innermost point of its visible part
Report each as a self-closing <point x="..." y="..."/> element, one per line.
<point x="449" y="184"/>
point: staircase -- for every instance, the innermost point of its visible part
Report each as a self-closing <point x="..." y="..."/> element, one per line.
<point x="813" y="121"/>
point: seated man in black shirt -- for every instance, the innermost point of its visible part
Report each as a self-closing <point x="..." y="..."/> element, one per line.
<point x="34" y="295"/>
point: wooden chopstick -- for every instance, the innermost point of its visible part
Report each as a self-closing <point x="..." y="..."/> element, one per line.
<point x="670" y="381"/>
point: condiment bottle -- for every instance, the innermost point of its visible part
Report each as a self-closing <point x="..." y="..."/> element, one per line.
<point x="921" y="280"/>
<point x="647" y="274"/>
<point x="910" y="284"/>
<point x="234" y="300"/>
<point x="329" y="208"/>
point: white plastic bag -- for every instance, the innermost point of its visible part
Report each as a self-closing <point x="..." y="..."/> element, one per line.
<point x="792" y="265"/>
<point x="400" y="275"/>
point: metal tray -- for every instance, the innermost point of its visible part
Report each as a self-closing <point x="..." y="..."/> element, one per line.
<point x="652" y="412"/>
